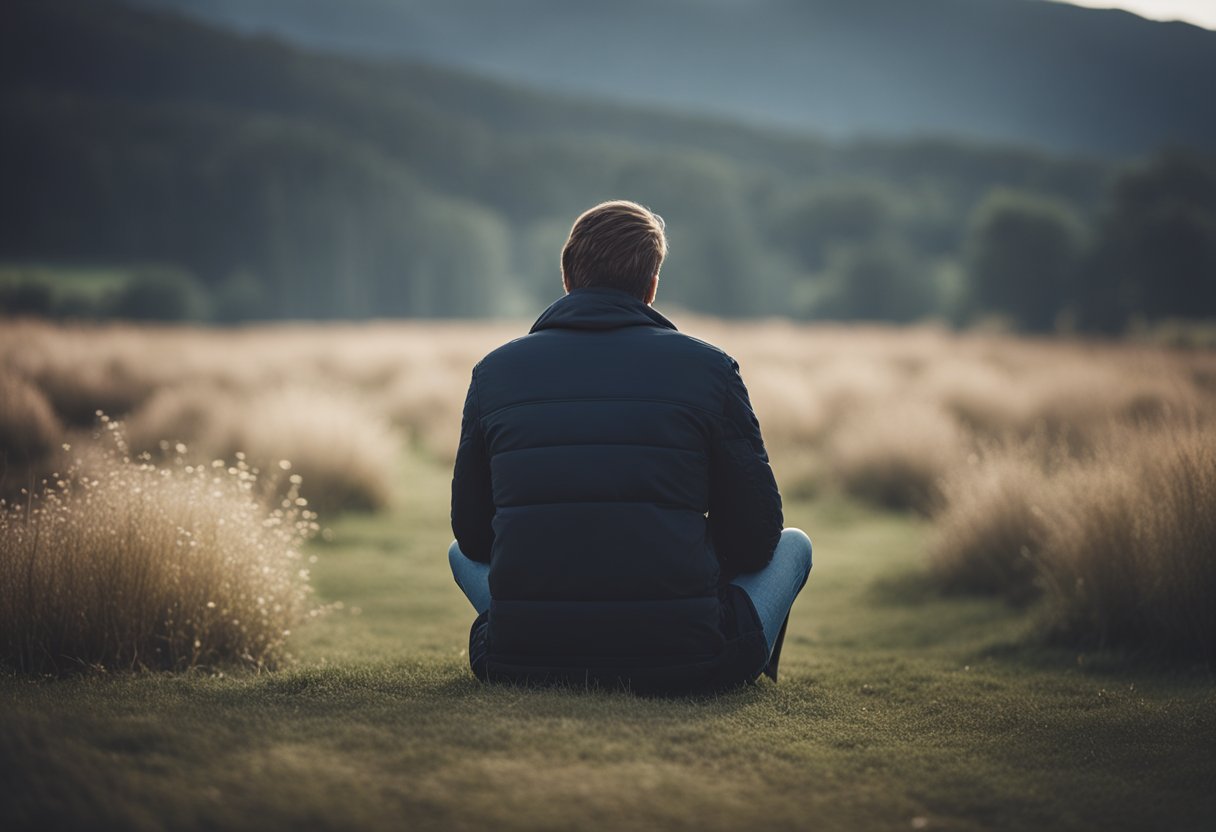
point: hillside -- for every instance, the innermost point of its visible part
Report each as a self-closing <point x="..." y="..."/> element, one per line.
<point x="1024" y="71"/>
<point x="235" y="177"/>
<point x="301" y="185"/>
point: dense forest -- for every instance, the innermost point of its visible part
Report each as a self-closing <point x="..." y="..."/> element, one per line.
<point x="243" y="178"/>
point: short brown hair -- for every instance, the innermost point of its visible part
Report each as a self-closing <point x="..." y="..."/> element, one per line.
<point x="615" y="245"/>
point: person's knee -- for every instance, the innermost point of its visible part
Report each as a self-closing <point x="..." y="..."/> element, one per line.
<point x="796" y="542"/>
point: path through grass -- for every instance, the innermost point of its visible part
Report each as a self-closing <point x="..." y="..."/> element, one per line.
<point x="897" y="709"/>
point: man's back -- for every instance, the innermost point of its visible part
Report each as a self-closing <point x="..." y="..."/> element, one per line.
<point x="610" y="470"/>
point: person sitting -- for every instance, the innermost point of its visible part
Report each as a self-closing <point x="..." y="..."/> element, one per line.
<point x="616" y="519"/>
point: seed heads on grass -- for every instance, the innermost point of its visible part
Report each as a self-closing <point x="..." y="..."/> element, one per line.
<point x="130" y="566"/>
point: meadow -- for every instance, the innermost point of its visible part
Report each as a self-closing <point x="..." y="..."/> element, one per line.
<point x="1009" y="622"/>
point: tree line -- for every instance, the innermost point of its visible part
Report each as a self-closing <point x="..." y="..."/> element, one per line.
<point x="241" y="179"/>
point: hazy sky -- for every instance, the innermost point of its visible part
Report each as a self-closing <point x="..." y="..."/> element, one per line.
<point x="1199" y="12"/>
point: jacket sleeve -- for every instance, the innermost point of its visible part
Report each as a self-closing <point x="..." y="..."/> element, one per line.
<point x="745" y="519"/>
<point x="472" y="497"/>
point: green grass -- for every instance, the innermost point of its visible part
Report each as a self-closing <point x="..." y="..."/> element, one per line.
<point x="897" y="709"/>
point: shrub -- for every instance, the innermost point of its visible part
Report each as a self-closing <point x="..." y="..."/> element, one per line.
<point x="205" y="417"/>
<point x="896" y="456"/>
<point x="29" y="432"/>
<point x="138" y="566"/>
<point x="29" y="429"/>
<point x="345" y="453"/>
<point x="83" y="369"/>
<point x="78" y="390"/>
<point x="990" y="402"/>
<point x="1078" y="402"/>
<point x="26" y="297"/>
<point x="160" y="294"/>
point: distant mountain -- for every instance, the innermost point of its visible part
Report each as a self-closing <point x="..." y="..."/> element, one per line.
<point x="1024" y="71"/>
<point x="294" y="184"/>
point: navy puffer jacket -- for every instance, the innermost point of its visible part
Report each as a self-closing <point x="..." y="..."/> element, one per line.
<point x="612" y="473"/>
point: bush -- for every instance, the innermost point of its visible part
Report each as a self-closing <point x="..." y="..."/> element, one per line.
<point x="26" y="297"/>
<point x="988" y="401"/>
<point x="81" y="370"/>
<point x="29" y="429"/>
<point x="1079" y="402"/>
<point x="135" y="566"/>
<point x="897" y="455"/>
<point x="345" y="453"/>
<point x="163" y="294"/>
<point x="205" y="417"/>
<point x="29" y="432"/>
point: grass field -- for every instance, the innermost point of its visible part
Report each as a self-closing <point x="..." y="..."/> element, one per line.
<point x="897" y="708"/>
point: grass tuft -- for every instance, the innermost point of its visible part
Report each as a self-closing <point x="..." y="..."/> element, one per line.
<point x="986" y="538"/>
<point x="1130" y="552"/>
<point x="135" y="566"/>
<point x="1118" y="540"/>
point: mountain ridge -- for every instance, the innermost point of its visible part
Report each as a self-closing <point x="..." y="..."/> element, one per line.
<point x="294" y="184"/>
<point x="1050" y="75"/>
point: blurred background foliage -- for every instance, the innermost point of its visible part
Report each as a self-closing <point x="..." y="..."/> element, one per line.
<point x="157" y="167"/>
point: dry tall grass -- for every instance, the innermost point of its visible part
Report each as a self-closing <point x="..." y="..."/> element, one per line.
<point x="888" y="415"/>
<point x="1129" y="554"/>
<point x="425" y="400"/>
<point x="81" y="370"/>
<point x="345" y="452"/>
<point x="345" y="382"/>
<point x="139" y="566"/>
<point x="989" y="532"/>
<point x="897" y="456"/>
<point x="29" y="433"/>
<point x="1120" y="540"/>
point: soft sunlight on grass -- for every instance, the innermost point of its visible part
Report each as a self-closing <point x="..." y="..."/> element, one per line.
<point x="988" y="536"/>
<point x="128" y="565"/>
<point x="896" y="707"/>
<point x="968" y="429"/>
<point x="1129" y="555"/>
<point x="1119" y="539"/>
<point x="341" y="447"/>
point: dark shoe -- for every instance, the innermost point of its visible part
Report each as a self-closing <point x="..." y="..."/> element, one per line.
<point x="770" y="670"/>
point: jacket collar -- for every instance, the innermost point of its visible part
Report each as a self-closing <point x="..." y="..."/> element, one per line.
<point x="599" y="309"/>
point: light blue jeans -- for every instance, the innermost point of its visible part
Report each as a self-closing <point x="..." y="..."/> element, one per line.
<point x="772" y="589"/>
